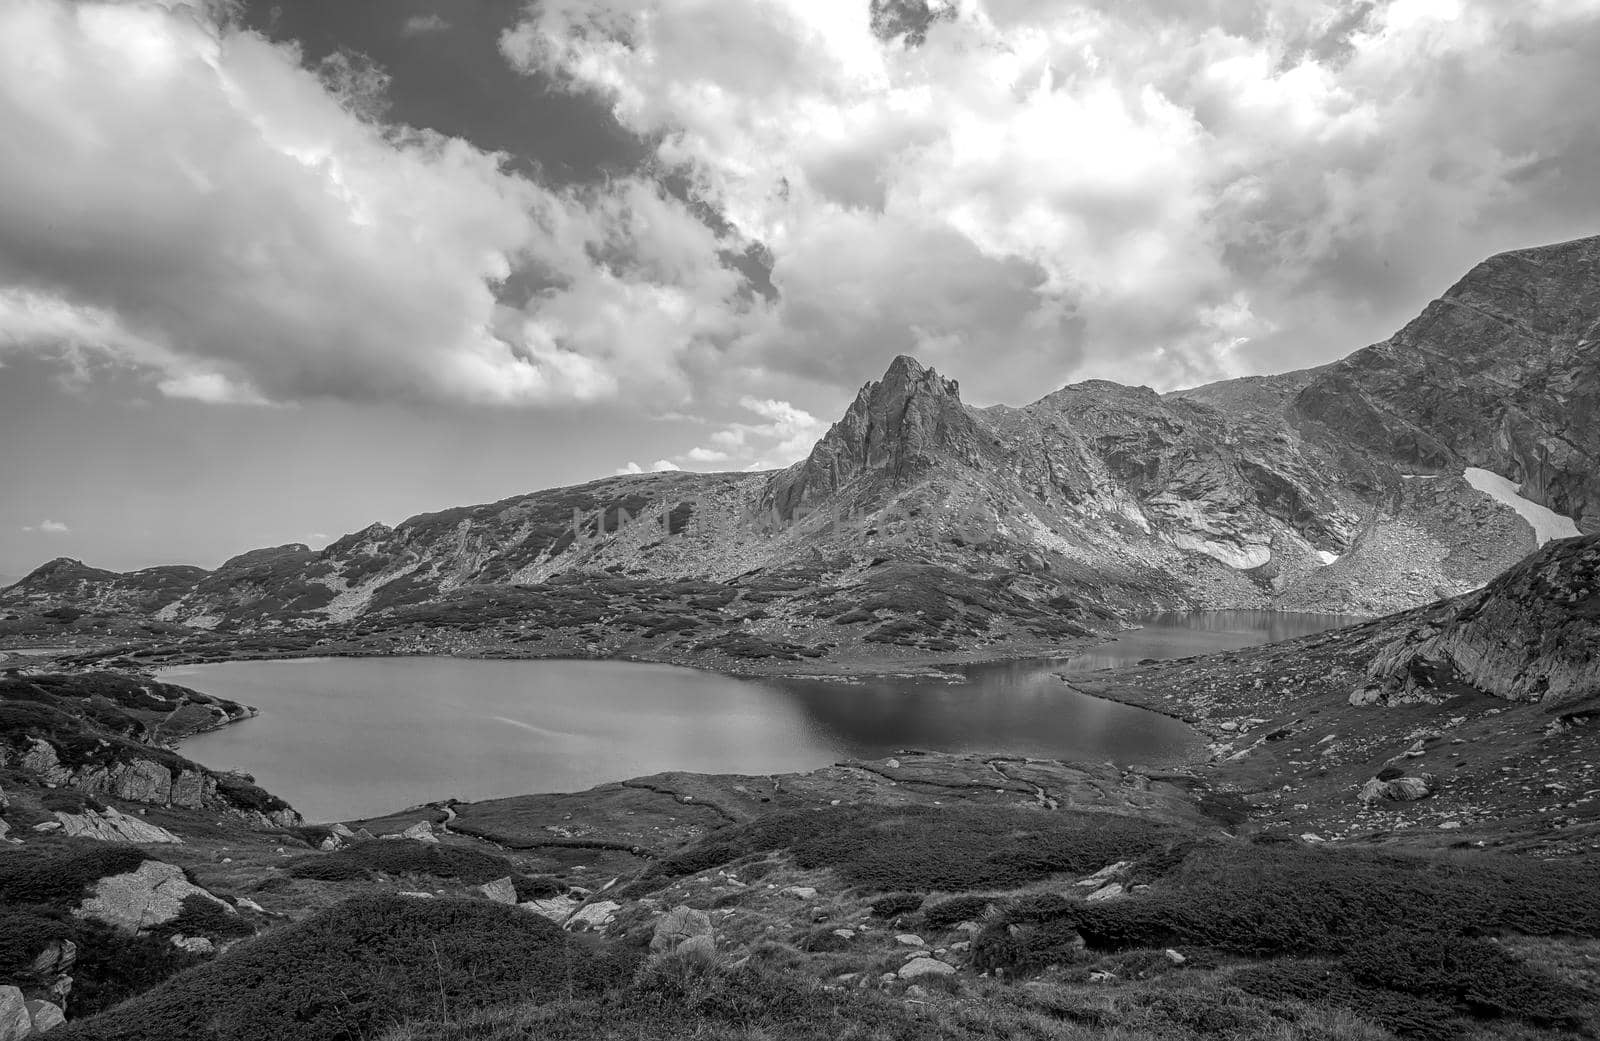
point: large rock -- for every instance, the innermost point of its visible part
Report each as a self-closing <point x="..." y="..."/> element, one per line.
<point x="916" y="968"/>
<point x="56" y="959"/>
<point x="677" y="926"/>
<point x="501" y="890"/>
<point x="15" y="1023"/>
<point x="558" y="909"/>
<point x="41" y="760"/>
<point x="111" y="826"/>
<point x="151" y="895"/>
<point x="45" y="1016"/>
<point x="595" y="916"/>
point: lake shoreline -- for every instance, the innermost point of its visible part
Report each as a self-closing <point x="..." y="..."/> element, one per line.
<point x="999" y="706"/>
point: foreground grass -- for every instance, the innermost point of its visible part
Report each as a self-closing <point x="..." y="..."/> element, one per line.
<point x="675" y="998"/>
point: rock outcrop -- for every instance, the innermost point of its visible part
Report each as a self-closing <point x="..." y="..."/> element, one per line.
<point x="1533" y="634"/>
<point x="151" y="895"/>
<point x="896" y="430"/>
<point x="110" y="826"/>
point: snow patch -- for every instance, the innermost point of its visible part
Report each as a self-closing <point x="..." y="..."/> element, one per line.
<point x="1327" y="557"/>
<point x="1547" y="523"/>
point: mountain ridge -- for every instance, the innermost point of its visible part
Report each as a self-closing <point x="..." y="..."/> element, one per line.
<point x="1337" y="488"/>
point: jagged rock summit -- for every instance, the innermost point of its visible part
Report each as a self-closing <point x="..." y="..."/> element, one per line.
<point x="897" y="429"/>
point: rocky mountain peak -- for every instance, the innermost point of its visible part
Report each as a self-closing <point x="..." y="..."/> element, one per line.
<point x="1502" y="372"/>
<point x="897" y="428"/>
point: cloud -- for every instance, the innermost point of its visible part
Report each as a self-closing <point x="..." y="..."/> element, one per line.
<point x="197" y="205"/>
<point x="423" y="24"/>
<point x="49" y="527"/>
<point x="658" y="466"/>
<point x="783" y="434"/>
<point x="1165" y="193"/>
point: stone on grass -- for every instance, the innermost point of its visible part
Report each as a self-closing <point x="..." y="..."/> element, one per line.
<point x="910" y="940"/>
<point x="597" y="915"/>
<point x="15" y="1023"/>
<point x="555" y="908"/>
<point x="501" y="890"/>
<point x="194" y="944"/>
<point x="1108" y="892"/>
<point x="151" y="895"/>
<point x="923" y="966"/>
<point x="678" y="926"/>
<point x="1105" y="874"/>
<point x="799" y="892"/>
<point x="45" y="1016"/>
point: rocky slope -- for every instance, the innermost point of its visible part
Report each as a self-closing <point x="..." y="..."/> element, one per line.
<point x="1533" y="634"/>
<point x="1334" y="489"/>
<point x="1469" y="720"/>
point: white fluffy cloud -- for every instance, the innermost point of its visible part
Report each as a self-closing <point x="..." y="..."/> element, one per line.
<point x="193" y="202"/>
<point x="1160" y="192"/>
<point x="48" y="527"/>
<point x="1153" y="191"/>
<point x="659" y="466"/>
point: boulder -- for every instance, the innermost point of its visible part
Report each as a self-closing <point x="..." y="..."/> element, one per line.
<point x="56" y="959"/>
<point x="1398" y="789"/>
<point x="151" y="895"/>
<point x="501" y="890"/>
<point x="910" y="940"/>
<point x="703" y="948"/>
<point x="677" y="926"/>
<point x="15" y="1023"/>
<point x="924" y="966"/>
<point x="110" y="826"/>
<point x="420" y="832"/>
<point x="1105" y="874"/>
<point x="41" y="760"/>
<point x="597" y="915"/>
<point x="194" y="944"/>
<point x="1108" y="892"/>
<point x="142" y="781"/>
<point x="192" y="789"/>
<point x="556" y="908"/>
<point x="45" y="1016"/>
<point x="799" y="892"/>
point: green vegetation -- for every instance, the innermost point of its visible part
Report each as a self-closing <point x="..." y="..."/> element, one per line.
<point x="350" y="972"/>
<point x="395" y="857"/>
<point x="1403" y="932"/>
<point x="923" y="848"/>
<point x="60" y="880"/>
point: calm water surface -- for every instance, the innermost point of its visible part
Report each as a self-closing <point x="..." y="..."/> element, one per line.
<point x="348" y="737"/>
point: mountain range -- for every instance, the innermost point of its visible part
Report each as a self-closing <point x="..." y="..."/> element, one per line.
<point x="1414" y="469"/>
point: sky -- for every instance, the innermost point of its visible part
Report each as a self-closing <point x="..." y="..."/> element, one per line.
<point x="272" y="271"/>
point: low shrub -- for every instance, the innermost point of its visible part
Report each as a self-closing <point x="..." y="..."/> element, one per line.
<point x="1397" y="925"/>
<point x="401" y="857"/>
<point x="66" y="800"/>
<point x="60" y="880"/>
<point x="896" y="904"/>
<point x="953" y="848"/>
<point x="948" y="913"/>
<point x="202" y="917"/>
<point x="354" y="970"/>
